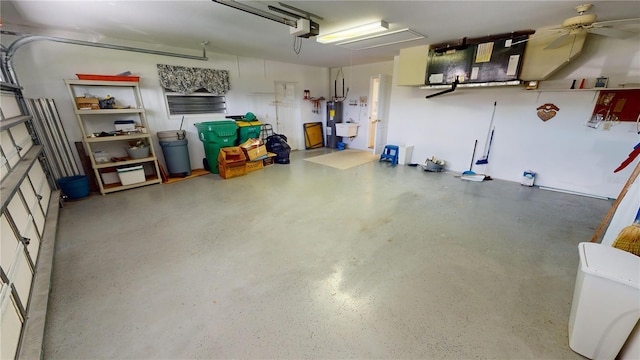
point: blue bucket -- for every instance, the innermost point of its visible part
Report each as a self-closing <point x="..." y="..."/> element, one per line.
<point x="75" y="187"/>
<point x="341" y="146"/>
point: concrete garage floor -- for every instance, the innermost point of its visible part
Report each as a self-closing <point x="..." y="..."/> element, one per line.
<point x="307" y="261"/>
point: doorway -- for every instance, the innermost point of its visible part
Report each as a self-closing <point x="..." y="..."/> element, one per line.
<point x="379" y="93"/>
<point x="286" y="113"/>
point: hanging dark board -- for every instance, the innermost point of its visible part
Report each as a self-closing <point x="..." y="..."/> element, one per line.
<point x="443" y="67"/>
<point x="490" y="61"/>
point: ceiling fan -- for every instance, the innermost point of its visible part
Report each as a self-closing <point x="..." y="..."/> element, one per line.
<point x="587" y="23"/>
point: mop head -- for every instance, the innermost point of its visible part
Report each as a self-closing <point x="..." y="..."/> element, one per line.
<point x="629" y="239"/>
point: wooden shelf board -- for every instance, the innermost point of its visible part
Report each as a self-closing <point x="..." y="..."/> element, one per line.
<point x="124" y="162"/>
<point x="194" y="173"/>
<point x="150" y="179"/>
<point x="117" y="138"/>
<point x="109" y="111"/>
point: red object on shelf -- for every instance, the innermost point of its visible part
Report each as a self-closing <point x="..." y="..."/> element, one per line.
<point x="108" y="77"/>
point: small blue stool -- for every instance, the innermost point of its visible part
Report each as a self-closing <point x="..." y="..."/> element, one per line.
<point x="390" y="153"/>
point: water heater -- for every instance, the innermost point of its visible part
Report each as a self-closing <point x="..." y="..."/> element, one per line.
<point x="334" y="116"/>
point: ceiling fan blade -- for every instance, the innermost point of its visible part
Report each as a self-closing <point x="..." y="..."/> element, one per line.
<point x="611" y="32"/>
<point x="617" y="22"/>
<point x="558" y="42"/>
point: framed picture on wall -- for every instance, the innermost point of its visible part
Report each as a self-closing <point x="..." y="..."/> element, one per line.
<point x="532" y="85"/>
<point x="601" y="82"/>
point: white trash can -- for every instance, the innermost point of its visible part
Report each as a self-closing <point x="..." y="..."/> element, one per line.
<point x="606" y="301"/>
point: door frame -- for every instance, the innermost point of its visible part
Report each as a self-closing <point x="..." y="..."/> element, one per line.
<point x="380" y="95"/>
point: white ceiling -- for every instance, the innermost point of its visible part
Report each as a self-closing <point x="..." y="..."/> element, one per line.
<point x="186" y="24"/>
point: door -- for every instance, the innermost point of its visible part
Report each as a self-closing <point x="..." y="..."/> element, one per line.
<point x="286" y="113"/>
<point x="380" y="95"/>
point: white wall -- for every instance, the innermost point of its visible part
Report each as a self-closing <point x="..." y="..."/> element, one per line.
<point x="357" y="79"/>
<point x="41" y="67"/>
<point x="563" y="152"/>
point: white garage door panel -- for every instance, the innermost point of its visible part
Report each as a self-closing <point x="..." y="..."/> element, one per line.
<point x="22" y="278"/>
<point x="22" y="138"/>
<point x="39" y="181"/>
<point x="34" y="205"/>
<point x="11" y="327"/>
<point x="10" y="106"/>
<point x="9" y="245"/>
<point x="19" y="213"/>
<point x="9" y="150"/>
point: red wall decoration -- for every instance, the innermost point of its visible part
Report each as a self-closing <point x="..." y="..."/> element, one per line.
<point x="622" y="105"/>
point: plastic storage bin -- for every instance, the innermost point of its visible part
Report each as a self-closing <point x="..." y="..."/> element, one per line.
<point x="215" y="135"/>
<point x="131" y="175"/>
<point x="138" y="153"/>
<point x="606" y="301"/>
<point x="75" y="187"/>
<point x="248" y="130"/>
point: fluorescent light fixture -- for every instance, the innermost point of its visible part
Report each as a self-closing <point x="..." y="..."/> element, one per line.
<point x="353" y="32"/>
<point x="382" y="39"/>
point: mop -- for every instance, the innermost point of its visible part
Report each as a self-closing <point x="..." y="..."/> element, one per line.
<point x="487" y="143"/>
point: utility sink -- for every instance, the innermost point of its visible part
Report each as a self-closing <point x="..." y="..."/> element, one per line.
<point x="346" y="129"/>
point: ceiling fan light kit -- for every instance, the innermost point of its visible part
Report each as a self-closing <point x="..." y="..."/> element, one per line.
<point x="580" y="20"/>
<point x="352" y="33"/>
<point x="586" y="23"/>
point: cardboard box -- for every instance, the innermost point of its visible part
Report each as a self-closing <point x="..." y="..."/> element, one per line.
<point x="84" y="103"/>
<point x="254" y="149"/>
<point x="254" y="165"/>
<point x="109" y="176"/>
<point x="231" y="171"/>
<point x="131" y="175"/>
<point x="231" y="156"/>
<point x="269" y="160"/>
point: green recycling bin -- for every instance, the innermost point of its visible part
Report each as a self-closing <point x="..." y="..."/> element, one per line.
<point x="215" y="135"/>
<point x="248" y="130"/>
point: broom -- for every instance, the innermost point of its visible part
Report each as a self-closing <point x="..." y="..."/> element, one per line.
<point x="613" y="208"/>
<point x="629" y="238"/>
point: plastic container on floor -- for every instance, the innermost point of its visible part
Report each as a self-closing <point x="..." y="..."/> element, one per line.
<point x="176" y="155"/>
<point x="216" y="135"/>
<point x="248" y="130"/>
<point x="605" y="305"/>
<point x="75" y="187"/>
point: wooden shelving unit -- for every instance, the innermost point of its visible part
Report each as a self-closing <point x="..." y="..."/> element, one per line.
<point x="100" y="121"/>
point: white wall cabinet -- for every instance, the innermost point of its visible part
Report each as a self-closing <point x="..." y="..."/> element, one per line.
<point x="412" y="66"/>
<point x="99" y="134"/>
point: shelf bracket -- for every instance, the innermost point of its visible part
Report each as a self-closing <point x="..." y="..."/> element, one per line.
<point x="453" y="88"/>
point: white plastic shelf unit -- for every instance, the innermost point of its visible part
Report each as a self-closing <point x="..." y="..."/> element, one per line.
<point x="130" y="107"/>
